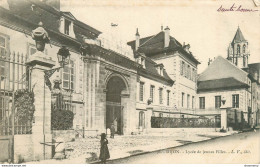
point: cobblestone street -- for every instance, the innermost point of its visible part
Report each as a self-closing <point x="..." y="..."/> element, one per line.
<point x="86" y="150"/>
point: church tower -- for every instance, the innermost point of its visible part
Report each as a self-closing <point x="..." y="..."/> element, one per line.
<point x="238" y="51"/>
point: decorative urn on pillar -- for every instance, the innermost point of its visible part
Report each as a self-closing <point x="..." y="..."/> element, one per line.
<point x="41" y="37"/>
<point x="223" y="101"/>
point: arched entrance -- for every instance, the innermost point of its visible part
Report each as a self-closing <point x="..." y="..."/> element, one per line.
<point x="114" y="108"/>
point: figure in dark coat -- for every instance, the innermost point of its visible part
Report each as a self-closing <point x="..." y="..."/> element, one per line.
<point x="112" y="131"/>
<point x="104" y="153"/>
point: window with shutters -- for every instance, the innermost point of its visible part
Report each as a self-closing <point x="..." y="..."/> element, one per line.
<point x="182" y="67"/>
<point x="202" y="102"/>
<point x="4" y="51"/>
<point x="3" y="46"/>
<point x="235" y="101"/>
<point x="188" y="101"/>
<point x="182" y="99"/>
<point x="161" y="95"/>
<point x="193" y="102"/>
<point x="168" y="97"/>
<point x="152" y="92"/>
<point x="217" y="102"/>
<point x="68" y="76"/>
<point x="188" y="72"/>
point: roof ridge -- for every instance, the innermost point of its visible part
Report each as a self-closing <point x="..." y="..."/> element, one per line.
<point x="201" y="74"/>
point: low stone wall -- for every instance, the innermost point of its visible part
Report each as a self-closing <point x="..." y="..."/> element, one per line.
<point x="178" y="130"/>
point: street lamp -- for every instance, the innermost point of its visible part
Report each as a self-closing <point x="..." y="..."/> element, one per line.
<point x="63" y="56"/>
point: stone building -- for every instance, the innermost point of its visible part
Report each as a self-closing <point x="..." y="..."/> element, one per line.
<point x="100" y="86"/>
<point x="232" y="78"/>
<point x="174" y="59"/>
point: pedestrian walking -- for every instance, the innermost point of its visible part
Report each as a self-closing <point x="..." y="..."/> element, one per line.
<point x="104" y="152"/>
<point x="112" y="131"/>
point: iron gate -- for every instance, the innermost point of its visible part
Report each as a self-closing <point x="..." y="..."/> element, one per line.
<point x="14" y="75"/>
<point x="114" y="114"/>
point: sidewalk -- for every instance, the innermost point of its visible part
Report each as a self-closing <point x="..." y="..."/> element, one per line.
<point x="86" y="150"/>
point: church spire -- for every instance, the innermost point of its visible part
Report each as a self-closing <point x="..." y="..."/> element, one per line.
<point x="238" y="52"/>
<point x="238" y="37"/>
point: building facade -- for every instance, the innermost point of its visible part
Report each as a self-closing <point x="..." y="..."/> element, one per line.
<point x="177" y="62"/>
<point x="232" y="78"/>
<point x="100" y="86"/>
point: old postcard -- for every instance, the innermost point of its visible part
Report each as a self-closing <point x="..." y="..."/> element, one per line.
<point x="129" y="82"/>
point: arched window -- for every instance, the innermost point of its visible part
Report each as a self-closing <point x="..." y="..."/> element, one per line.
<point x="238" y="49"/>
<point x="244" y="49"/>
<point x="141" y="119"/>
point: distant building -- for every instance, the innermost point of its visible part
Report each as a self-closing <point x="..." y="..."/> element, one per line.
<point x="234" y="79"/>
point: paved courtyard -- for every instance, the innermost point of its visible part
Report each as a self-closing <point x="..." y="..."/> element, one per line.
<point x="86" y="150"/>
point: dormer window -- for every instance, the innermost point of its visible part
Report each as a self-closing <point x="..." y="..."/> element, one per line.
<point x="160" y="69"/>
<point x="67" y="27"/>
<point x="140" y="59"/>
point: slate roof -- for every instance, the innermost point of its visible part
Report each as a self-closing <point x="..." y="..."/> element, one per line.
<point x="155" y="44"/>
<point x="149" y="71"/>
<point x="150" y="68"/>
<point x="25" y="20"/>
<point x="34" y="11"/>
<point x="222" y="68"/>
<point x="238" y="37"/>
<point x="221" y="84"/>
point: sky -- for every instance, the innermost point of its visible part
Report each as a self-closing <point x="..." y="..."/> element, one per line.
<point x="198" y="23"/>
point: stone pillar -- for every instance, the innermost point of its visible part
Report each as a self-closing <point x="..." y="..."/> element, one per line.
<point x="224" y="118"/>
<point x="125" y="111"/>
<point x="41" y="130"/>
<point x="148" y="115"/>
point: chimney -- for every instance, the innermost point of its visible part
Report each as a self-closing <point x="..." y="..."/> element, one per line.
<point x="166" y="37"/>
<point x="137" y="39"/>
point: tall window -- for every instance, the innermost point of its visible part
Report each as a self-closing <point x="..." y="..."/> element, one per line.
<point x="182" y="67"/>
<point x="235" y="101"/>
<point x="193" y="102"/>
<point x="68" y="77"/>
<point x="151" y="92"/>
<point x="188" y="101"/>
<point x="238" y="49"/>
<point x="141" y="119"/>
<point x="244" y="49"/>
<point x="161" y="95"/>
<point x="202" y="102"/>
<point x="168" y="97"/>
<point x="188" y="72"/>
<point x="182" y="99"/>
<point x="141" y="91"/>
<point x="217" y="101"/>
<point x="67" y="27"/>
<point x="193" y="74"/>
<point x="3" y="45"/>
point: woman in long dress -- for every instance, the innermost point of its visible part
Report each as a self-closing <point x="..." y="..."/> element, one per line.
<point x="104" y="153"/>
